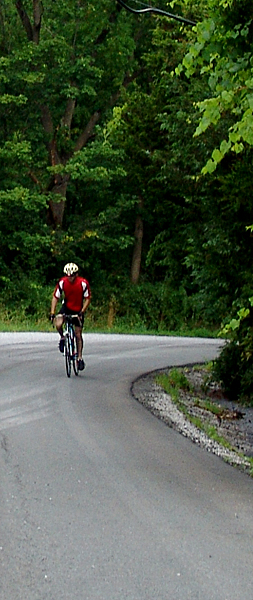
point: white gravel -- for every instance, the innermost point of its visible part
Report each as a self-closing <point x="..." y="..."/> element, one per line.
<point x="151" y="395"/>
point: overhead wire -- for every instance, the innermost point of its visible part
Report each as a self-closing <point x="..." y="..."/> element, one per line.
<point x="158" y="11"/>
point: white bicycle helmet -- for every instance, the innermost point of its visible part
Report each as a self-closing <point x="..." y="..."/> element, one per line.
<point x="70" y="269"/>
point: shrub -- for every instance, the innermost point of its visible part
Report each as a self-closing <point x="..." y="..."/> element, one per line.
<point x="234" y="366"/>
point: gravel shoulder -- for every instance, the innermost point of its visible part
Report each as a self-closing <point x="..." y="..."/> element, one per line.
<point x="228" y="434"/>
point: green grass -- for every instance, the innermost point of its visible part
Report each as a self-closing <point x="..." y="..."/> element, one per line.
<point x="14" y="324"/>
<point x="212" y="433"/>
<point x="251" y="468"/>
<point x="206" y="404"/>
<point x="173" y="382"/>
<point x="176" y="381"/>
<point x="18" y="322"/>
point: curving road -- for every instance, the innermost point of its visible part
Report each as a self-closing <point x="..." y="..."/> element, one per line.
<point x="99" y="499"/>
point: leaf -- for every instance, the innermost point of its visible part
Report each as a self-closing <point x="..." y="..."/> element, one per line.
<point x="243" y="313"/>
<point x="234" y="324"/>
<point x="250" y="100"/>
<point x="209" y="167"/>
<point x="225" y="146"/>
<point x="227" y="97"/>
<point x="237" y="148"/>
<point x="11" y="99"/>
<point x="217" y="155"/>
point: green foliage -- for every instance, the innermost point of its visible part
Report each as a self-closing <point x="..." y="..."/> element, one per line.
<point x="97" y="124"/>
<point x="234" y="366"/>
<point x="173" y="382"/>
<point x="223" y="52"/>
<point x="24" y="300"/>
<point x="54" y="88"/>
<point x="143" y="305"/>
<point x="24" y="236"/>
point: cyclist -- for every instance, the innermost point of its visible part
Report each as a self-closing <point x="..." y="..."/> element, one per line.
<point x="77" y="297"/>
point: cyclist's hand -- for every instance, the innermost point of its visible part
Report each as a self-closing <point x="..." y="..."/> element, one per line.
<point x="80" y="314"/>
<point x="52" y="317"/>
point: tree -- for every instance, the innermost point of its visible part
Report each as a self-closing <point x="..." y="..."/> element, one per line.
<point x="63" y="73"/>
<point x="138" y="127"/>
<point x="96" y="133"/>
<point x="223" y="50"/>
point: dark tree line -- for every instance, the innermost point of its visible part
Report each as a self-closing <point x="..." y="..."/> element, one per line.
<point x="126" y="145"/>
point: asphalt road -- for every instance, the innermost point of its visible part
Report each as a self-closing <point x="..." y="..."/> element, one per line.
<point x="99" y="500"/>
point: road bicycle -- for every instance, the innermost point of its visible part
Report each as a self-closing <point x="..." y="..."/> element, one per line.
<point x="70" y="345"/>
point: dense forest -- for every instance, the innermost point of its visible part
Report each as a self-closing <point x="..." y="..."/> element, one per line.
<point x="126" y="146"/>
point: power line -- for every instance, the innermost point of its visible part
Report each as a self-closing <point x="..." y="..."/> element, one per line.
<point x="157" y="11"/>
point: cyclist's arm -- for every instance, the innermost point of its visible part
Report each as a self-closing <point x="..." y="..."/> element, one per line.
<point x="86" y="304"/>
<point x="53" y="305"/>
<point x="56" y="296"/>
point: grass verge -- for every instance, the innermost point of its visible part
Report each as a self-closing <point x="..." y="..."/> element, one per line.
<point x="15" y="322"/>
<point x="175" y="383"/>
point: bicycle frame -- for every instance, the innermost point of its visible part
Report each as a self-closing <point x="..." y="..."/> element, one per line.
<point x="70" y="345"/>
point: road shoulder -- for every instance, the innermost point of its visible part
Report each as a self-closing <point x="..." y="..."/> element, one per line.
<point x="231" y="431"/>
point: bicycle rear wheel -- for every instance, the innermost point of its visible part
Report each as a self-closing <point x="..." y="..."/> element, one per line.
<point x="67" y="352"/>
<point x="74" y="353"/>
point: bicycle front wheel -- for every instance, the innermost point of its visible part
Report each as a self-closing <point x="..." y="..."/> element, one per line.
<point x="74" y="353"/>
<point x="67" y="352"/>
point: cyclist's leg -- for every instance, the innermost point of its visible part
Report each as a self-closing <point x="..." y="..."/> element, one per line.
<point x="59" y="323"/>
<point x="79" y="339"/>
<point x="59" y="319"/>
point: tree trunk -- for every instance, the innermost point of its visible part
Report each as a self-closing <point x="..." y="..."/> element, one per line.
<point x="32" y="31"/>
<point x="56" y="207"/>
<point x="58" y="184"/>
<point x="137" y="251"/>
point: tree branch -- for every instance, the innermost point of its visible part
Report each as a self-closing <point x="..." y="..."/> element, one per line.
<point x="48" y="126"/>
<point x="86" y="134"/>
<point x="32" y="31"/>
<point x="25" y="20"/>
<point x="35" y="179"/>
<point x="88" y="131"/>
<point x="47" y="120"/>
<point x="69" y="111"/>
<point x="37" y="14"/>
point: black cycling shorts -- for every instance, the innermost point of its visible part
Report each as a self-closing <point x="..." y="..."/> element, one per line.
<point x="65" y="311"/>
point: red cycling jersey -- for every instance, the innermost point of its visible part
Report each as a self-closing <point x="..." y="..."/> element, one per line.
<point x="74" y="292"/>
